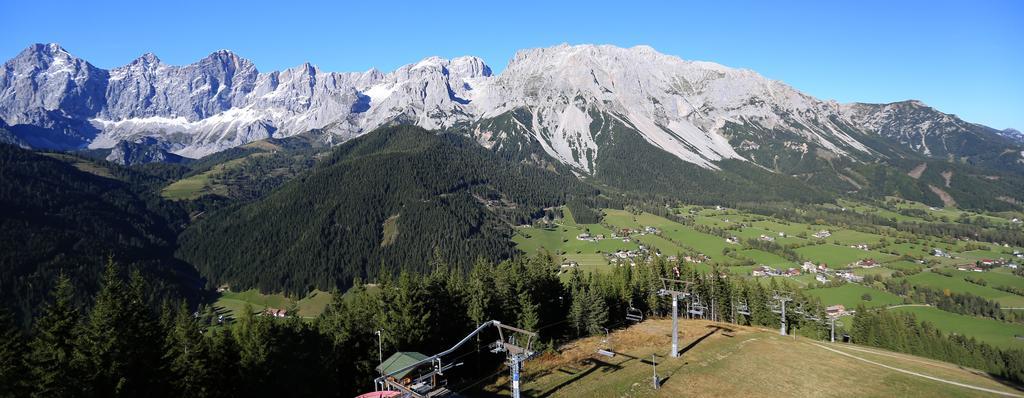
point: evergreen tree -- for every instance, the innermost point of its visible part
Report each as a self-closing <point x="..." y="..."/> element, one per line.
<point x="405" y="311"/>
<point x="13" y="372"/>
<point x="479" y="293"/>
<point x="186" y="356"/>
<point x="595" y="309"/>
<point x="528" y="317"/>
<point x="53" y="360"/>
<point x="120" y="342"/>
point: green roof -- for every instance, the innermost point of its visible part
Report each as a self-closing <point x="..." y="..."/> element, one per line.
<point x="400" y="360"/>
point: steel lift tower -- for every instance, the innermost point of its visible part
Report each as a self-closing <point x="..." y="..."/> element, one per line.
<point x="782" y="298"/>
<point x="675" y="288"/>
<point x="515" y="354"/>
<point x="833" y="320"/>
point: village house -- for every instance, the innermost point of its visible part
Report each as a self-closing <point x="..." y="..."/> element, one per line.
<point x="861" y="246"/>
<point x="275" y="312"/>
<point x="867" y="263"/>
<point x="836" y="310"/>
<point x="822" y="234"/>
<point x="849" y="276"/>
<point x="821" y="277"/>
<point x="764" y="270"/>
<point x="809" y="266"/>
<point x="792" y="272"/>
<point x="939" y="253"/>
<point x="732" y="240"/>
<point x="766" y="238"/>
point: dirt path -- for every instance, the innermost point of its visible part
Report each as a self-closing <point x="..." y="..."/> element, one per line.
<point x="910" y="305"/>
<point x="917" y="171"/>
<point x="946" y="199"/>
<point x="973" y="387"/>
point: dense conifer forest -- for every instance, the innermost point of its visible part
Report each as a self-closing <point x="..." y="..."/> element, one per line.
<point x="56" y="218"/>
<point x="128" y="344"/>
<point x="384" y="202"/>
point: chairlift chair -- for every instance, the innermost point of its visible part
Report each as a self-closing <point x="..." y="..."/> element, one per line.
<point x="742" y="308"/>
<point x="696" y="307"/>
<point x="634" y="315"/>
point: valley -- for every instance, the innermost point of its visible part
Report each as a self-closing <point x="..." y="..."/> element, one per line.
<point x="213" y="229"/>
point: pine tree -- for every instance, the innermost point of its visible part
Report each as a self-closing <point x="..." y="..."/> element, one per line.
<point x="121" y="342"/>
<point x="479" y="293"/>
<point x="596" y="309"/>
<point x="53" y="361"/>
<point x="528" y="317"/>
<point x="186" y="356"/>
<point x="13" y="372"/>
<point x="577" y="315"/>
<point x="406" y="310"/>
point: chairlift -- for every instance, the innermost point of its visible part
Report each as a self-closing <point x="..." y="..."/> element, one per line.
<point x="696" y="307"/>
<point x="634" y="315"/>
<point x="742" y="308"/>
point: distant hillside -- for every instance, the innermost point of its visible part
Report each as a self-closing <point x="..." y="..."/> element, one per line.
<point x="394" y="199"/>
<point x="62" y="214"/>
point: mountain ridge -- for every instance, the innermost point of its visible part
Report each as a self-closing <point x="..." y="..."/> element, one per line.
<point x="701" y="112"/>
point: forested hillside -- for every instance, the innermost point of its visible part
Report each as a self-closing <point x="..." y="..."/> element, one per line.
<point x="394" y="199"/>
<point x="58" y="219"/>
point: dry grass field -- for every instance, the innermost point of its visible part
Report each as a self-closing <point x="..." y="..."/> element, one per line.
<point x="734" y="361"/>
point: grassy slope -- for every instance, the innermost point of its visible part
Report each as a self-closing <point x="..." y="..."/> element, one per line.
<point x="200" y="184"/>
<point x="850" y="294"/>
<point x="954" y="284"/>
<point x="745" y="362"/>
<point x="839" y="256"/>
<point x="309" y="306"/>
<point x="997" y="333"/>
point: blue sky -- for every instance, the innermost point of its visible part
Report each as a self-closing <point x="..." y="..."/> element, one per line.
<point x="965" y="57"/>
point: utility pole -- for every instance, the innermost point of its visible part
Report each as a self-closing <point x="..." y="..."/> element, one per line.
<point x="654" y="362"/>
<point x="380" y="348"/>
<point x="676" y="288"/>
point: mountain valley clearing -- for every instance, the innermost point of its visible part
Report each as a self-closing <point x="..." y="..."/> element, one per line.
<point x="728" y="360"/>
